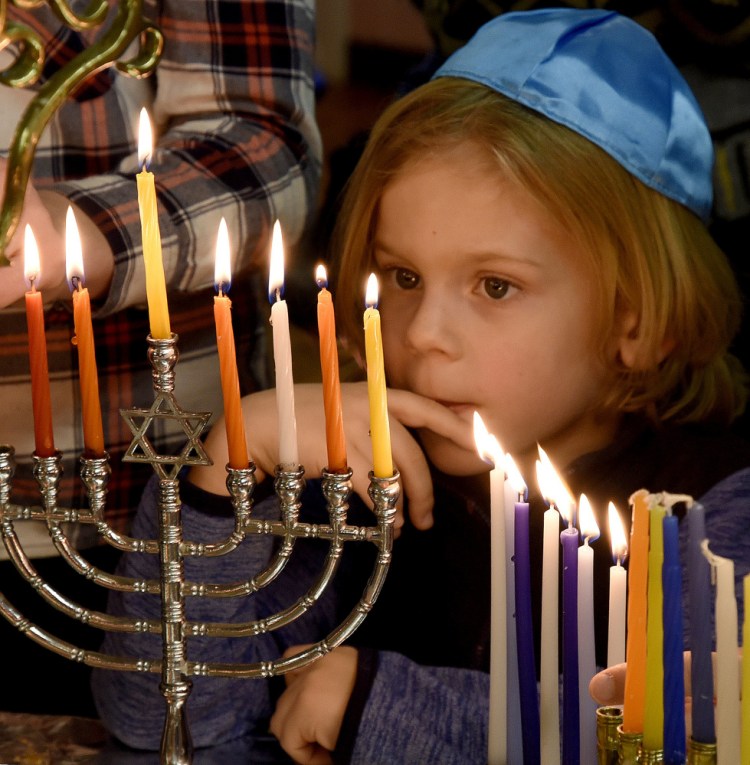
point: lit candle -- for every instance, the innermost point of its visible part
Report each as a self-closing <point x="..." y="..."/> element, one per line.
<point x="653" y="714"/>
<point x="635" y="675"/>
<point x="701" y="665"/>
<point x="380" y="433"/>
<point x="88" y="379"/>
<point x="728" y="715"/>
<point x="549" y="682"/>
<point x="618" y="585"/>
<point x="524" y="626"/>
<point x="282" y="356"/>
<point x="489" y="450"/>
<point x="745" y="713"/>
<point x="674" y="665"/>
<point x="156" y="290"/>
<point x="586" y="639"/>
<point x="230" y="382"/>
<point x="570" y="717"/>
<point x="44" y="444"/>
<point x="329" y="367"/>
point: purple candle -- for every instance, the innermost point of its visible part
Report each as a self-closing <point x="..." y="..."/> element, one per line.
<point x="699" y="589"/>
<point x="570" y="711"/>
<point x="524" y="627"/>
<point x="674" y="681"/>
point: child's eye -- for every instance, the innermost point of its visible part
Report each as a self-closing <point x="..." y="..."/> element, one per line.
<point x="496" y="287"/>
<point x="405" y="279"/>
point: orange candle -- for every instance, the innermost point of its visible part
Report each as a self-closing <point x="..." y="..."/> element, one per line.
<point x="156" y="290"/>
<point x="329" y="366"/>
<point x="93" y="432"/>
<point x="230" y="383"/>
<point x="44" y="444"/>
<point x="635" y="676"/>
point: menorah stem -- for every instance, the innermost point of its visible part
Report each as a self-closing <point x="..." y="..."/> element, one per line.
<point x="7" y="468"/>
<point x="176" y="745"/>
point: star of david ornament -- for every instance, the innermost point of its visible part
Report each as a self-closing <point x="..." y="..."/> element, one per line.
<point x="165" y="407"/>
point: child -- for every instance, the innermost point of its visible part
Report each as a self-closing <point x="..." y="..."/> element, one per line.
<point x="534" y="216"/>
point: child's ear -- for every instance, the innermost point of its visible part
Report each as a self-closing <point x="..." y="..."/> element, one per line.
<point x="634" y="350"/>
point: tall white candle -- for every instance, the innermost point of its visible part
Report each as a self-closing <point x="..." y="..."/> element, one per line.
<point x="489" y="450"/>
<point x="549" y="688"/>
<point x="282" y="356"/>
<point x="618" y="584"/>
<point x="727" y="675"/>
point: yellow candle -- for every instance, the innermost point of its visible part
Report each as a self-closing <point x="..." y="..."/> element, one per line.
<point x="635" y="676"/>
<point x="156" y="290"/>
<point x="653" y="720"/>
<point x="88" y="379"/>
<point x="745" y="723"/>
<point x="380" y="433"/>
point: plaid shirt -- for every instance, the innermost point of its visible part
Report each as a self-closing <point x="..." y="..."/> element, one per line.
<point x="233" y="105"/>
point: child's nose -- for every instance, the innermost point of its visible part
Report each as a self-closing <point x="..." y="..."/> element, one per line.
<point x="433" y="327"/>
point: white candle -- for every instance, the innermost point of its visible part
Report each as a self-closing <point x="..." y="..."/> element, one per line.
<point x="618" y="584"/>
<point x="282" y="356"/>
<point x="490" y="451"/>
<point x="727" y="674"/>
<point x="586" y="642"/>
<point x="549" y="689"/>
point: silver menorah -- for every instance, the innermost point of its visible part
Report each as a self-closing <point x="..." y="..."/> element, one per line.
<point x="173" y="626"/>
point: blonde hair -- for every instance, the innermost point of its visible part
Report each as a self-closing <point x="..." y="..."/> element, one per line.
<point x="650" y="256"/>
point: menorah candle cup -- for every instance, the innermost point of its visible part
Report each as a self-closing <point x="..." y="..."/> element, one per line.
<point x="608" y="719"/>
<point x="651" y="756"/>
<point x="699" y="753"/>
<point x="629" y="747"/>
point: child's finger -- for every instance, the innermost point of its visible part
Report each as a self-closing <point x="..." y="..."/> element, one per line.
<point x="608" y="686"/>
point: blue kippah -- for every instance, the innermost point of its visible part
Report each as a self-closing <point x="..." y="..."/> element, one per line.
<point x="604" y="76"/>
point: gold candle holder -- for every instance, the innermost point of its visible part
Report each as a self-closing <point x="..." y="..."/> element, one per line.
<point x="650" y="756"/>
<point x="699" y="753"/>
<point x="629" y="747"/>
<point x="608" y="720"/>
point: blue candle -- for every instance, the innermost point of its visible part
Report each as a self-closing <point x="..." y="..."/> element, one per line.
<point x="525" y="637"/>
<point x="570" y="711"/>
<point x="699" y="589"/>
<point x="674" y="682"/>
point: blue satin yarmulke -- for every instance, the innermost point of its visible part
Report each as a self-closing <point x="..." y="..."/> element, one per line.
<point x="604" y="76"/>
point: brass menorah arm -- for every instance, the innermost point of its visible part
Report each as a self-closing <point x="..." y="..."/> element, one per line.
<point x="128" y="25"/>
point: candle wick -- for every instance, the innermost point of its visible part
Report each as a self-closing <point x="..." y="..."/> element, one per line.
<point x="76" y="282"/>
<point x="278" y="294"/>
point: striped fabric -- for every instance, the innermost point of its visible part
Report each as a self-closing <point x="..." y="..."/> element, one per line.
<point x="233" y="107"/>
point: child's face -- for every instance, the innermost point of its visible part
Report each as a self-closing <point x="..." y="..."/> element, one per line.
<point x="486" y="305"/>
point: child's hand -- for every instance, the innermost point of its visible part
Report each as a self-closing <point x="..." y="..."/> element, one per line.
<point x="309" y="713"/>
<point x="406" y="410"/>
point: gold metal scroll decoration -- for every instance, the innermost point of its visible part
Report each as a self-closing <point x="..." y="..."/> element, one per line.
<point x="127" y="25"/>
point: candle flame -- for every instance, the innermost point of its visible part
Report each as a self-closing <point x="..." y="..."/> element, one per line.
<point x="587" y="520"/>
<point x="371" y="293"/>
<point x="145" y="140"/>
<point x="276" y="271"/>
<point x="321" y="276"/>
<point x="514" y="476"/>
<point x="554" y="489"/>
<point x="31" y="266"/>
<point x="73" y="250"/>
<point x="222" y="264"/>
<point x="617" y="535"/>
<point x="487" y="445"/>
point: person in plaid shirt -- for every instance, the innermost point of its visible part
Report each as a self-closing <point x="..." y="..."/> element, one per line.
<point x="232" y="103"/>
